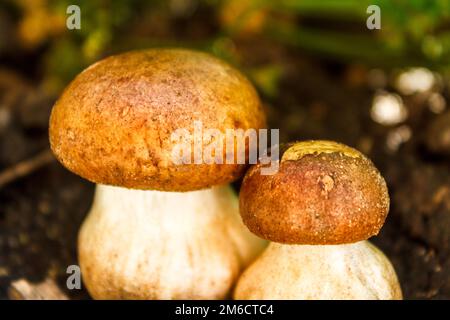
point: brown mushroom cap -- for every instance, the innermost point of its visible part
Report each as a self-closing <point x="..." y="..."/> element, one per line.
<point x="323" y="193"/>
<point x="113" y="123"/>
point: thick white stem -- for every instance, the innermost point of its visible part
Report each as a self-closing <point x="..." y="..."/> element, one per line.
<point x="164" y="245"/>
<point x="350" y="271"/>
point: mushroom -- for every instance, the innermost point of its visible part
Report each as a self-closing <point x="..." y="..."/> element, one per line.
<point x="318" y="210"/>
<point x="157" y="229"/>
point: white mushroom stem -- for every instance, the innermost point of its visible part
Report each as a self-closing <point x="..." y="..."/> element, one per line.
<point x="164" y="245"/>
<point x="350" y="271"/>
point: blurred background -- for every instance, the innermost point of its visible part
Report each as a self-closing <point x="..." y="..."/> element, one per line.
<point x="321" y="73"/>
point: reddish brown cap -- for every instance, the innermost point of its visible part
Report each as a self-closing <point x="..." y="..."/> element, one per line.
<point x="113" y="123"/>
<point x="324" y="193"/>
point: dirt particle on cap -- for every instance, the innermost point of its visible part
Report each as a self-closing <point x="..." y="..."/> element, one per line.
<point x="326" y="183"/>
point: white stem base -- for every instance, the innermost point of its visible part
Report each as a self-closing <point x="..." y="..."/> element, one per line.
<point x="303" y="272"/>
<point x="164" y="245"/>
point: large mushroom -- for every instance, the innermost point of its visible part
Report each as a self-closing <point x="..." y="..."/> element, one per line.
<point x="318" y="210"/>
<point x="157" y="229"/>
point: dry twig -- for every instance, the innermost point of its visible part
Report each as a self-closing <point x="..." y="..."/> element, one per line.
<point x="25" y="167"/>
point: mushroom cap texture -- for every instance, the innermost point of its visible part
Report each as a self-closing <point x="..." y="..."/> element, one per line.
<point x="323" y="193"/>
<point x="113" y="123"/>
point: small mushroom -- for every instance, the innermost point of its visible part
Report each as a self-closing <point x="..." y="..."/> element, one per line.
<point x="157" y="229"/>
<point x="318" y="210"/>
